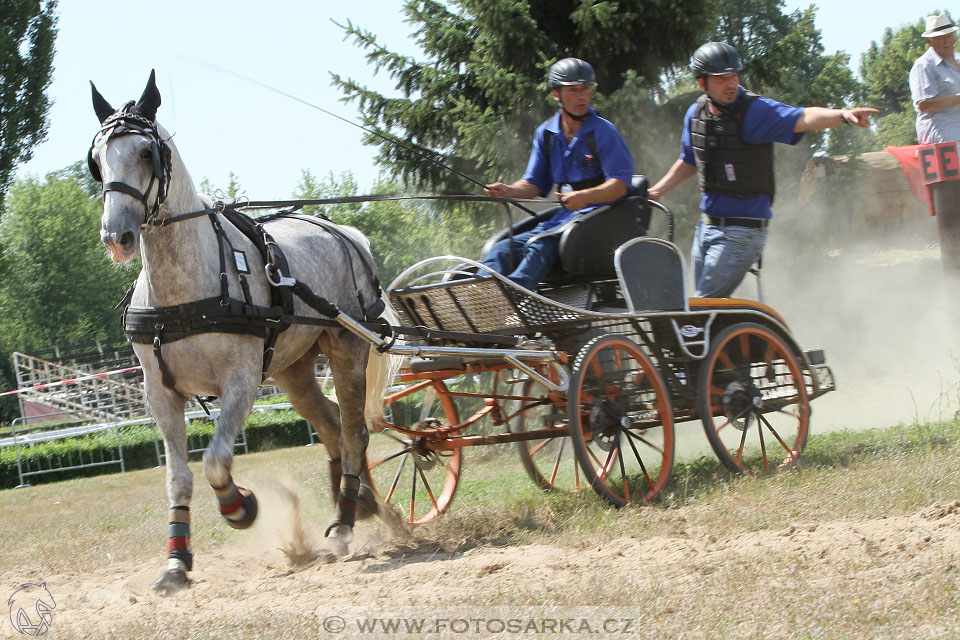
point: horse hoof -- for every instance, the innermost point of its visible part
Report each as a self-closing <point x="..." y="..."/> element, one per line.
<point x="339" y="537"/>
<point x="170" y="582"/>
<point x="249" y="510"/>
<point x="366" y="503"/>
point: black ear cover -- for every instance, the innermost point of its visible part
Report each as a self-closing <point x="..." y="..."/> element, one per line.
<point x="93" y="167"/>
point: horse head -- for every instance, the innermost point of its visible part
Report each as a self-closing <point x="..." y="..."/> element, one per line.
<point x="132" y="156"/>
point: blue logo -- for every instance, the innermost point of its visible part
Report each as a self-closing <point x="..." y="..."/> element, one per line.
<point x="31" y="609"/>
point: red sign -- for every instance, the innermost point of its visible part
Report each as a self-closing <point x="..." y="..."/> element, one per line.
<point x="939" y="162"/>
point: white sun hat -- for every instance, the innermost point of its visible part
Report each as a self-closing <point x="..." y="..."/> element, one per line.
<point x="939" y="25"/>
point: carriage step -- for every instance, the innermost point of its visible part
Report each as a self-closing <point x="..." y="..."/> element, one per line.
<point x="815" y="356"/>
<point x="437" y="364"/>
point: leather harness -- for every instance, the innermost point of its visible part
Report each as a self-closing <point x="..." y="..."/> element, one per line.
<point x="223" y="313"/>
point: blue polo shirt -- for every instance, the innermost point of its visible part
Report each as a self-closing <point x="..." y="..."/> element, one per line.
<point x="765" y="120"/>
<point x="575" y="162"/>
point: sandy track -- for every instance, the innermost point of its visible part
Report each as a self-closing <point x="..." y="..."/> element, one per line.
<point x="635" y="578"/>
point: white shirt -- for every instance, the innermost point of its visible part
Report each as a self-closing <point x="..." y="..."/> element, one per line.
<point x="933" y="76"/>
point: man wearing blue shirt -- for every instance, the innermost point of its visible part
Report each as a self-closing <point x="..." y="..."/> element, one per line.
<point x="727" y="141"/>
<point x="581" y="153"/>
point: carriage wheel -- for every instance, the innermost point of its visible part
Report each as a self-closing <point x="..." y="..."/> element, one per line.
<point x="621" y="421"/>
<point x="417" y="482"/>
<point x="752" y="400"/>
<point x="551" y="462"/>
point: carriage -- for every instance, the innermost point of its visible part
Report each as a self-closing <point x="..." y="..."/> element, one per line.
<point x="587" y="377"/>
<point x="590" y="375"/>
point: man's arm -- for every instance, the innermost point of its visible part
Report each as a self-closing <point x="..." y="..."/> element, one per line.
<point x="679" y="173"/>
<point x="820" y="118"/>
<point x="612" y="189"/>
<point x="939" y="103"/>
<point x="519" y="189"/>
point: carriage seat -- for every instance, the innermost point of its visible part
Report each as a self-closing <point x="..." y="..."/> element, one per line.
<point x="588" y="243"/>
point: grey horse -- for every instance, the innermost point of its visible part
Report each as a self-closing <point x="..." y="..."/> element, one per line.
<point x="146" y="186"/>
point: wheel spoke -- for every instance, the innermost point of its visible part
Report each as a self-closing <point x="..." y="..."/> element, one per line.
<point x="775" y="434"/>
<point x="763" y="444"/>
<point x="540" y="445"/>
<point x="426" y="484"/>
<point x="556" y="464"/>
<point x="745" y="347"/>
<point x="374" y="465"/>
<point x="743" y="439"/>
<point x="637" y="436"/>
<point x="636" y="453"/>
<point x="396" y="479"/>
<point x="623" y="472"/>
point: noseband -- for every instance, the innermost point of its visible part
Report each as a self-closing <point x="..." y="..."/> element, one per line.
<point x="127" y="122"/>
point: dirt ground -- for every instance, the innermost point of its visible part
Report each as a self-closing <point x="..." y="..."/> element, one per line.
<point x="251" y="589"/>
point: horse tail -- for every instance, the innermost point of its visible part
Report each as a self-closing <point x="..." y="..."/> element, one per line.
<point x="381" y="370"/>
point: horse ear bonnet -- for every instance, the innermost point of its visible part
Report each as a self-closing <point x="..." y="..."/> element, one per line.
<point x="93" y="167"/>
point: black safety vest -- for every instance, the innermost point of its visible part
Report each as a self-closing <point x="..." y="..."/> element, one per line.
<point x="725" y="162"/>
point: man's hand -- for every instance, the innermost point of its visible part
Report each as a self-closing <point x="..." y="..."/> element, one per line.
<point x="498" y="190"/>
<point x="574" y="200"/>
<point x="859" y="115"/>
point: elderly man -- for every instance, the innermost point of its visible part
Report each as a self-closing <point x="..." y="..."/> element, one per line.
<point x="727" y="142"/>
<point x="935" y="84"/>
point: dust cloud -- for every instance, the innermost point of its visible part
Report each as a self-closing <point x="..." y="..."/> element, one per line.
<point x="875" y="297"/>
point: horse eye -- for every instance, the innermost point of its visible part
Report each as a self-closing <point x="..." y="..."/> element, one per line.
<point x="145" y="154"/>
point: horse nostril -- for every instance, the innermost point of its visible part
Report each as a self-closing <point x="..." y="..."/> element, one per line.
<point x="126" y="240"/>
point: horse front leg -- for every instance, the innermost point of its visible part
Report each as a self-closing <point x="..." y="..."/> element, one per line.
<point x="167" y="408"/>
<point x="238" y="506"/>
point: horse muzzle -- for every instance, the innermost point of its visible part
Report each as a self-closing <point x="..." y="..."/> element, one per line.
<point x="121" y="245"/>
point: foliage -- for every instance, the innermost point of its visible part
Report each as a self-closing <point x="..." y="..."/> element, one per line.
<point x="401" y="232"/>
<point x="264" y="430"/>
<point x="784" y="59"/>
<point x="55" y="277"/>
<point x="885" y="68"/>
<point x="482" y="83"/>
<point x="232" y="190"/>
<point x="26" y="66"/>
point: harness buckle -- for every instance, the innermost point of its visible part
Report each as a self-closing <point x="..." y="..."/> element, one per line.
<point x="281" y="281"/>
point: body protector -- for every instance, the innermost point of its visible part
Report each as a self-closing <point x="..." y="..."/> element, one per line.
<point x="725" y="162"/>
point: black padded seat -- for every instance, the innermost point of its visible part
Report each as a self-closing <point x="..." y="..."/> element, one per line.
<point x="587" y="244"/>
<point x="652" y="276"/>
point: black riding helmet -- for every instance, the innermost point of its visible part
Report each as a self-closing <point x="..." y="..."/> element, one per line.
<point x="715" y="59"/>
<point x="570" y="72"/>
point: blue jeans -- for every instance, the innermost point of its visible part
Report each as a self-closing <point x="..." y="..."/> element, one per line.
<point x="722" y="255"/>
<point x="532" y="262"/>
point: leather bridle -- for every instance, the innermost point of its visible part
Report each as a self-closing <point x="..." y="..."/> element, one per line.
<point x="128" y="122"/>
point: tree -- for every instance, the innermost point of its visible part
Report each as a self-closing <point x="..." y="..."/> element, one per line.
<point x="481" y="90"/>
<point x="26" y="67"/>
<point x="57" y="285"/>
<point x="885" y="69"/>
<point x="784" y="59"/>
<point x="401" y="232"/>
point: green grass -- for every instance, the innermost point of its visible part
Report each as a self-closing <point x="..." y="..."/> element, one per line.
<point x="84" y="525"/>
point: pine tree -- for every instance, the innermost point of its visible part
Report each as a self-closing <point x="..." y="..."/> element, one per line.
<point x="481" y="90"/>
